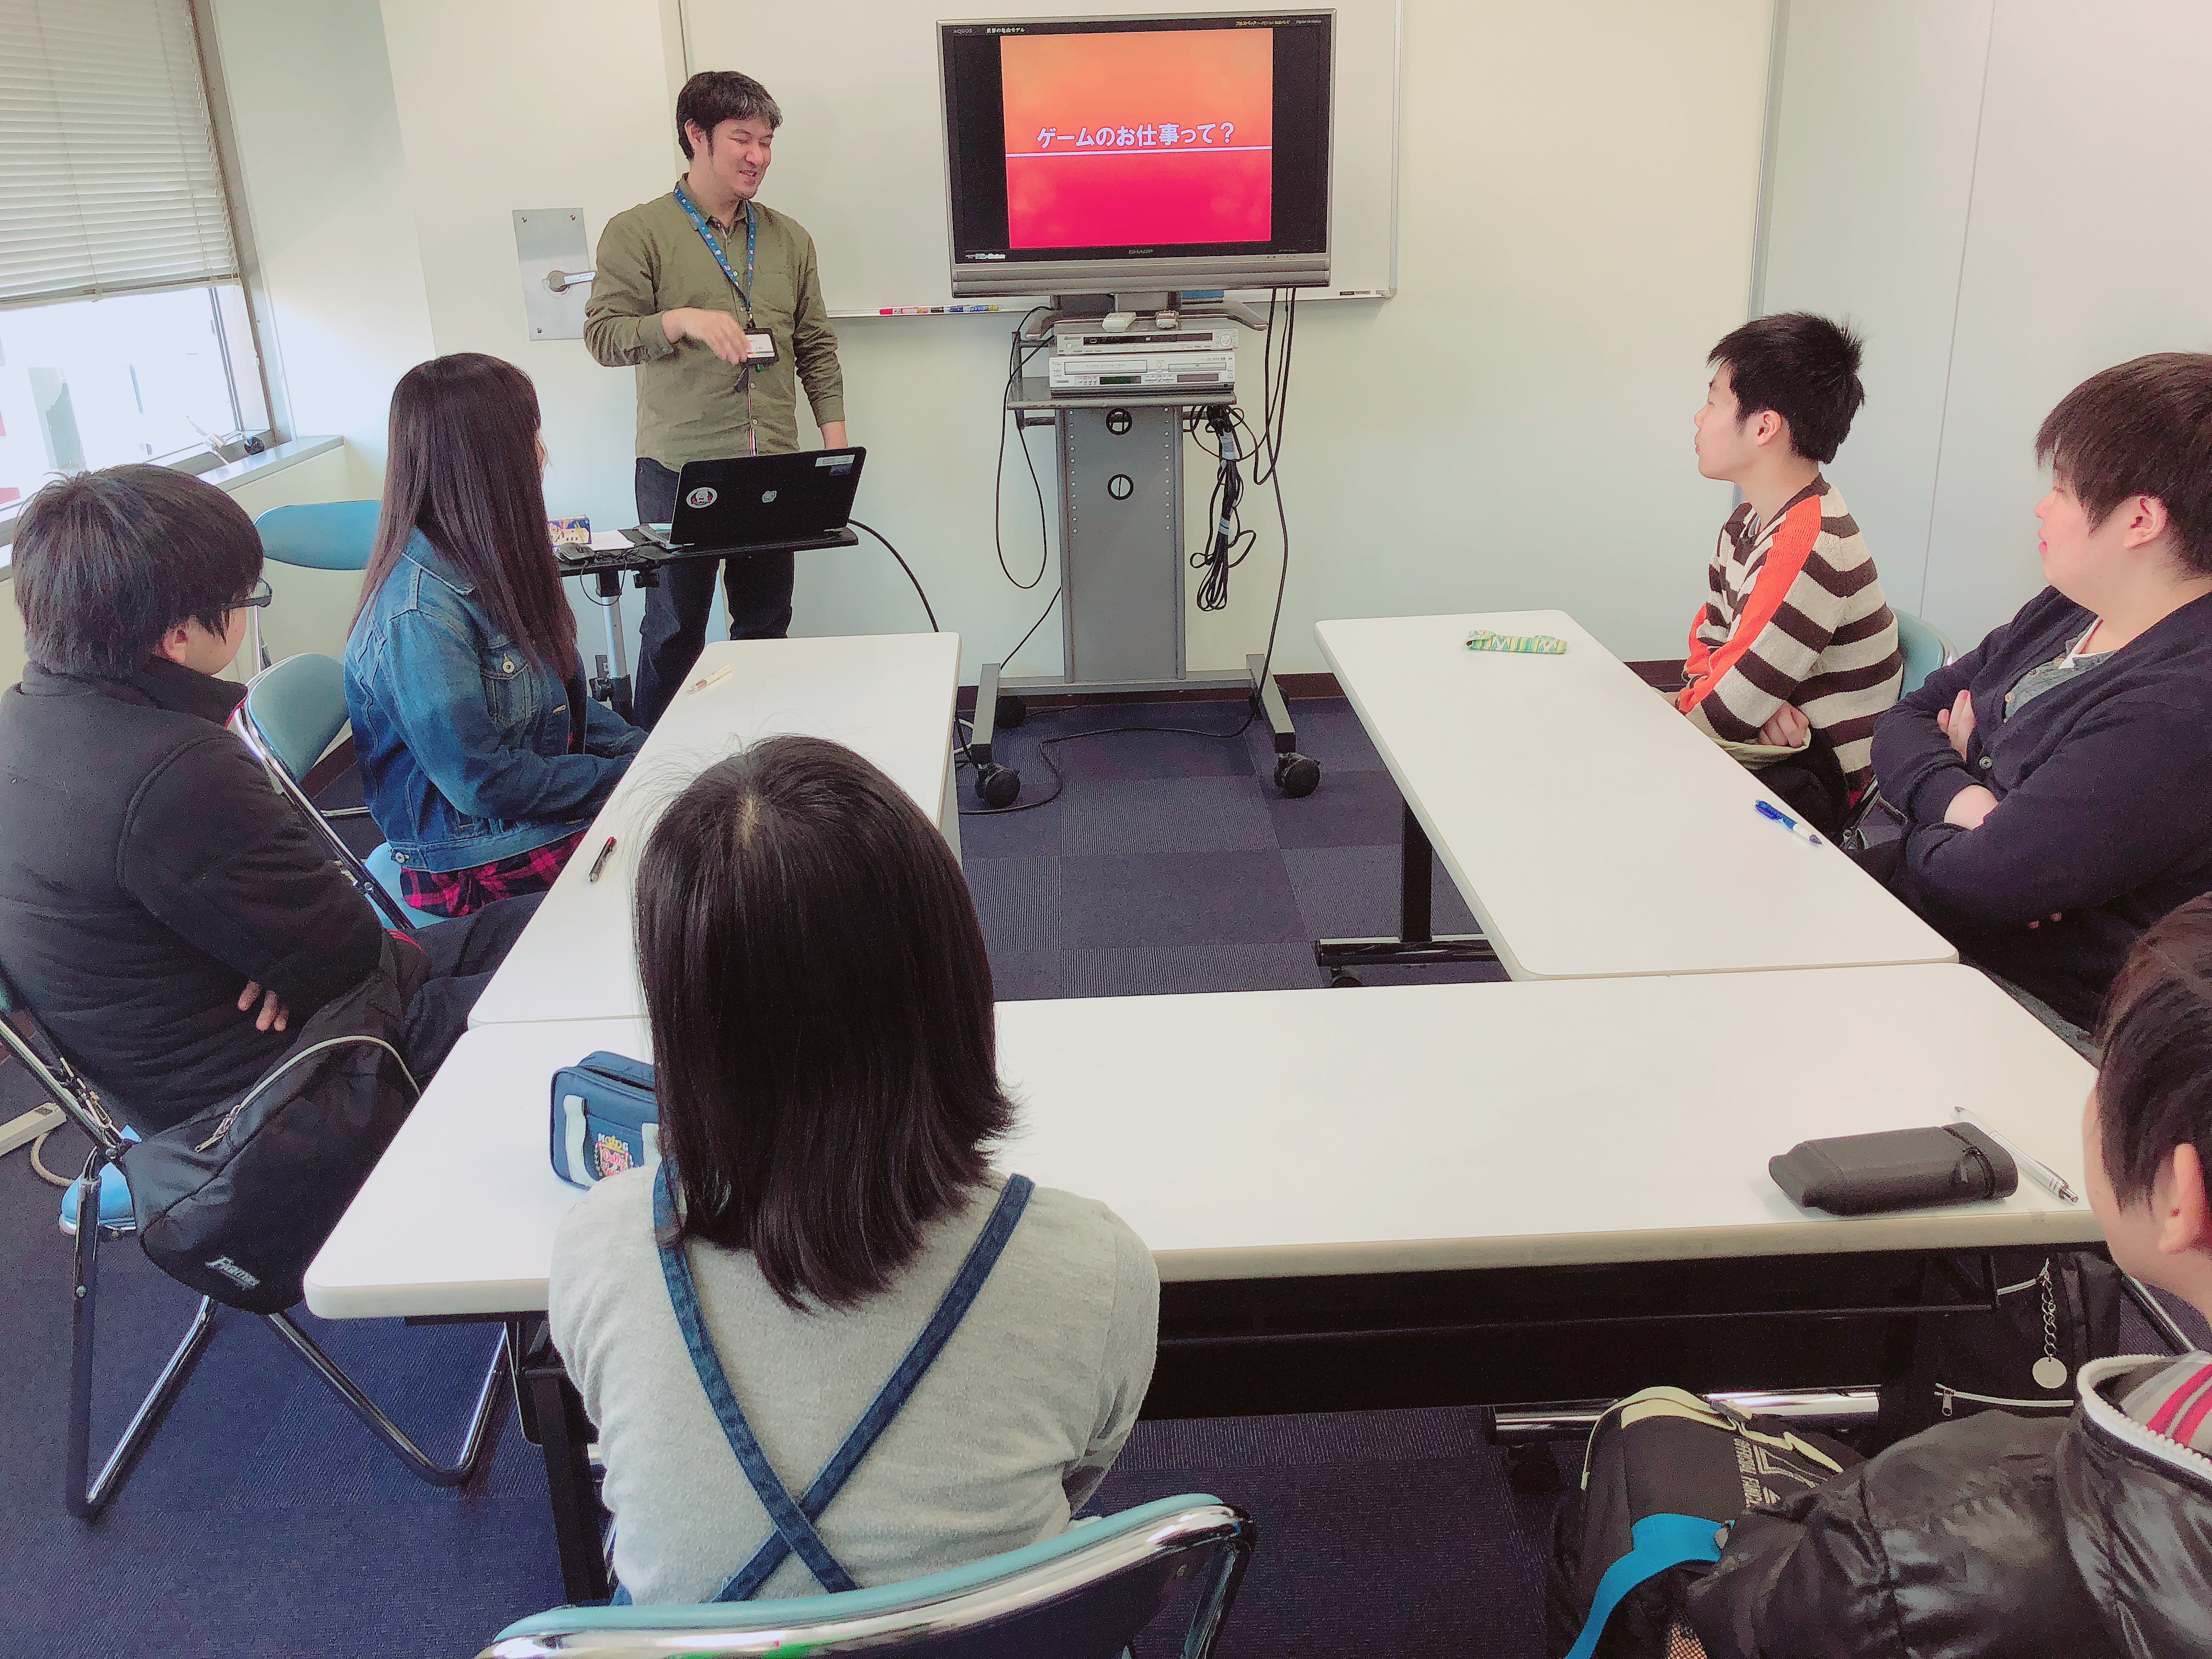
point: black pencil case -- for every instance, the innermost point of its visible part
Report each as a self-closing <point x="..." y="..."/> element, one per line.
<point x="1896" y="1169"/>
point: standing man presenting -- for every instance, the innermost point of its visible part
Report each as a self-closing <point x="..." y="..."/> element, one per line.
<point x="717" y="302"/>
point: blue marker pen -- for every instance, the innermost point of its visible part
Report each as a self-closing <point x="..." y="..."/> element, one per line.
<point x="1768" y="810"/>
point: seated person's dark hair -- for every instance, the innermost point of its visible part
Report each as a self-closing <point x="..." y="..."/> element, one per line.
<point x="105" y="564"/>
<point x="823" y="1023"/>
<point x="2154" y="1085"/>
<point x="1805" y="368"/>
<point x="2143" y="427"/>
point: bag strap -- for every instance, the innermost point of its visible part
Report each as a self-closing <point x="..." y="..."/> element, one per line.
<point x="1658" y="1542"/>
<point x="794" y="1521"/>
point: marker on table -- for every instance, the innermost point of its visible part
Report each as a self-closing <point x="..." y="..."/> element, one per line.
<point x="600" y="862"/>
<point x="1768" y="810"/>
<point x="700" y="684"/>
<point x="2039" y="1172"/>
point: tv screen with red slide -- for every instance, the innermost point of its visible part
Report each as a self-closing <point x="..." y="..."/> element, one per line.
<point x="1104" y="139"/>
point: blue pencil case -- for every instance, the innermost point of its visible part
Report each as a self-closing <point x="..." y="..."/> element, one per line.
<point x="606" y="1119"/>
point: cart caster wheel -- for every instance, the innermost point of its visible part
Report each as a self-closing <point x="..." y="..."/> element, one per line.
<point x="1531" y="1470"/>
<point x="1297" y="776"/>
<point x="1010" y="711"/>
<point x="1338" y="978"/>
<point x="998" y="786"/>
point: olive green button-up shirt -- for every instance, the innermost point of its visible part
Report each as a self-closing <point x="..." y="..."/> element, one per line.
<point x="691" y="405"/>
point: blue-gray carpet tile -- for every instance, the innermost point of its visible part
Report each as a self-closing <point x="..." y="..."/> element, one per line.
<point x="264" y="1521"/>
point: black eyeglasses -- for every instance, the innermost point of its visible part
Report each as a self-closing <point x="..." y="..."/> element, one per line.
<point x="257" y="596"/>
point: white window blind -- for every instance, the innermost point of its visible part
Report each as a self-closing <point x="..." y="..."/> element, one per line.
<point x="109" y="182"/>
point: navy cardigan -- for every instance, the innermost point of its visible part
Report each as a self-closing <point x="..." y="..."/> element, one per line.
<point x="2104" y="786"/>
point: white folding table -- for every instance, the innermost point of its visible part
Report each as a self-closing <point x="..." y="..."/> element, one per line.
<point x="888" y="697"/>
<point x="1431" y="1193"/>
<point x="1266" y="1134"/>
<point x="1591" y="828"/>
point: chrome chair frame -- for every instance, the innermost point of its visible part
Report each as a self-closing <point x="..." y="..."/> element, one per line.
<point x="1220" y="1536"/>
<point x="256" y="743"/>
<point x="87" y="1495"/>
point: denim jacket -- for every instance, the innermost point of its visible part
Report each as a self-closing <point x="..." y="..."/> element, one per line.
<point x="463" y="741"/>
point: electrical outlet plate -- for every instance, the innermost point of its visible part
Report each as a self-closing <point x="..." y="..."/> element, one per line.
<point x="20" y="1131"/>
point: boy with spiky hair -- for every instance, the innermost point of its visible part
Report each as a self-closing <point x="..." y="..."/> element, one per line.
<point x="1794" y="655"/>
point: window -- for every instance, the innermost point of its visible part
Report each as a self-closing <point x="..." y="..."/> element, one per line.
<point x="123" y="331"/>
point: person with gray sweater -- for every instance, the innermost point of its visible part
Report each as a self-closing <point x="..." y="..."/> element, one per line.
<point x="825" y="1344"/>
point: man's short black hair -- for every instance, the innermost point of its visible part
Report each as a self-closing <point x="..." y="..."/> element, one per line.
<point x="2155" y="1084"/>
<point x="713" y="96"/>
<point x="1805" y="368"/>
<point x="2143" y="427"/>
<point x="823" y="1029"/>
<point x="108" y="562"/>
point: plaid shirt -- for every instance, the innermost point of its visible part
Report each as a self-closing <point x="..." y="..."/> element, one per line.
<point x="460" y="892"/>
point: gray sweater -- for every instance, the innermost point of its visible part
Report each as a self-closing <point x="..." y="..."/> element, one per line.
<point x="1007" y="1435"/>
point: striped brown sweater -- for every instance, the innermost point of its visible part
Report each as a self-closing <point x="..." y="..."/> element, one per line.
<point x="1795" y="616"/>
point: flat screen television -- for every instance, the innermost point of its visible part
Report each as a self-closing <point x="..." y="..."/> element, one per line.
<point x="1137" y="154"/>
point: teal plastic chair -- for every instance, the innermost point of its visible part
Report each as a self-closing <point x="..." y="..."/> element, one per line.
<point x="316" y="535"/>
<point x="293" y="713"/>
<point x="1925" y="650"/>
<point x="1084" y="1594"/>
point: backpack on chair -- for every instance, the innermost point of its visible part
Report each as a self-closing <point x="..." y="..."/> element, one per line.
<point x="1664" y="1477"/>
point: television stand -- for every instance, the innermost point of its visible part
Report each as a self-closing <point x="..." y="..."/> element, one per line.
<point x="1122" y="560"/>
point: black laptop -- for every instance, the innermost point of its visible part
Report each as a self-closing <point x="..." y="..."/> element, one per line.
<point x="753" y="500"/>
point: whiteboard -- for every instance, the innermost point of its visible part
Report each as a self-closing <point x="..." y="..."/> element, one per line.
<point x="860" y="161"/>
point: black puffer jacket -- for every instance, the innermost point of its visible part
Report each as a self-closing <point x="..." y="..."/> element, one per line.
<point x="148" y="872"/>
<point x="1994" y="1536"/>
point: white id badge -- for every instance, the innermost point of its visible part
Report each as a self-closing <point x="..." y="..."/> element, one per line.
<point x="760" y="347"/>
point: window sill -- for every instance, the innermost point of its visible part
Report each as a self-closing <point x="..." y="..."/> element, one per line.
<point x="236" y="474"/>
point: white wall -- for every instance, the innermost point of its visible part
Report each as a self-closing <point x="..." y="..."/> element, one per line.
<point x="2011" y="194"/>
<point x="328" y="208"/>
<point x="1512" y="429"/>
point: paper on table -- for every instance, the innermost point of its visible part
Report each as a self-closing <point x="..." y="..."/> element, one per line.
<point x="609" y="541"/>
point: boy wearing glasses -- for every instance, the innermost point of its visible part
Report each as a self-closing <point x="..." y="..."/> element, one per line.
<point x="163" y="911"/>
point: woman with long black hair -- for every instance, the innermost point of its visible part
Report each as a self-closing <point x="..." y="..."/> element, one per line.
<point x="825" y="1270"/>
<point x="481" y="759"/>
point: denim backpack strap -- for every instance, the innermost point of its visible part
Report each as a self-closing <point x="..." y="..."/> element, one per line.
<point x="794" y="1521"/>
<point x="982" y="1256"/>
<point x="794" y="1529"/>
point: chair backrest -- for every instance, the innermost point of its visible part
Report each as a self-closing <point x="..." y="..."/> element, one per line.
<point x="321" y="535"/>
<point x="34" y="1048"/>
<point x="292" y="712"/>
<point x="1925" y="650"/>
<point x="1083" y="1595"/>
<point x="297" y="710"/>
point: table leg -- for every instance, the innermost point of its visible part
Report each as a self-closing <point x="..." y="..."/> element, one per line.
<point x="565" y="1434"/>
<point x="1415" y="946"/>
<point x="1416" y="867"/>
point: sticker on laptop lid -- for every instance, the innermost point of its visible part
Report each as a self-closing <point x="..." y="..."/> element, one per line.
<point x="704" y="495"/>
<point x="835" y="463"/>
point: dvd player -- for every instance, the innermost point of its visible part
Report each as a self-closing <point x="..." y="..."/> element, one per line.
<point x="1143" y="371"/>
<point x="1087" y="337"/>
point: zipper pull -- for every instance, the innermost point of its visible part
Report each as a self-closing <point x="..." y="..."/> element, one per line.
<point x="1946" y="1395"/>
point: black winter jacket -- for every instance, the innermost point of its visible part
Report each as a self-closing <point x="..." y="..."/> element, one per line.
<point x="1994" y="1538"/>
<point x="148" y="873"/>
<point x="2104" y="786"/>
